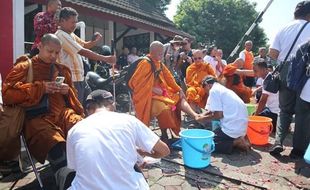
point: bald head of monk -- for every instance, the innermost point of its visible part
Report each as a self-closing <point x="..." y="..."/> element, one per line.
<point x="248" y="45"/>
<point x="156" y="50"/>
<point x="49" y="48"/>
<point x="198" y="56"/>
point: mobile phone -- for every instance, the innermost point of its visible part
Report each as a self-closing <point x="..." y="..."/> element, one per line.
<point x="59" y="80"/>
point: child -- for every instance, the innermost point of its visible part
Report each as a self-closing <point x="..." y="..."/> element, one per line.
<point x="268" y="104"/>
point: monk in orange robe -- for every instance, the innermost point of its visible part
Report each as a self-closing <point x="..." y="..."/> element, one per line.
<point x="45" y="134"/>
<point x="156" y="94"/>
<point x="233" y="79"/>
<point x="195" y="73"/>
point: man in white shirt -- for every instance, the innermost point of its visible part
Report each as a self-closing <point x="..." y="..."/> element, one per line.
<point x="103" y="148"/>
<point x="226" y="106"/>
<point x="73" y="48"/>
<point x="290" y="102"/>
<point x="268" y="104"/>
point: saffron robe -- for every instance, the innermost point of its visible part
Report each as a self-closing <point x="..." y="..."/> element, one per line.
<point x="237" y="86"/>
<point x="46" y="130"/>
<point x="195" y="73"/>
<point x="147" y="104"/>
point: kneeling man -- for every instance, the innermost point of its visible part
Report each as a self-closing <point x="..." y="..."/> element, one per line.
<point x="102" y="148"/>
<point x="226" y="106"/>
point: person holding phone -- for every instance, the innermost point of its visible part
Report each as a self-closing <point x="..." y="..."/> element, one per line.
<point x="46" y="133"/>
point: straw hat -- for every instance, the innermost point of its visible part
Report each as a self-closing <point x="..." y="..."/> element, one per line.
<point x="177" y="39"/>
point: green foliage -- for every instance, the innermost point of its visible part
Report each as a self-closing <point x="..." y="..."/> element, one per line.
<point x="219" y="22"/>
<point x="159" y="4"/>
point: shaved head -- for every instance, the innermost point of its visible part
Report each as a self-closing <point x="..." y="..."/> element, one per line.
<point x="249" y="42"/>
<point x="50" y="38"/>
<point x="157" y="50"/>
<point x="248" y="45"/>
<point x="155" y="46"/>
<point x="197" y="53"/>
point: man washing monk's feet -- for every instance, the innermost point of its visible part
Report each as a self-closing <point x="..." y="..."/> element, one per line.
<point x="156" y="94"/>
<point x="226" y="106"/>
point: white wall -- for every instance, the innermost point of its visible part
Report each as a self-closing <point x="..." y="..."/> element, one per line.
<point x="18" y="28"/>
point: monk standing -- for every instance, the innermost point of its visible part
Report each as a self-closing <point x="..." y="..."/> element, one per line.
<point x="156" y="94"/>
<point x="46" y="133"/>
<point x="247" y="58"/>
<point x="195" y="94"/>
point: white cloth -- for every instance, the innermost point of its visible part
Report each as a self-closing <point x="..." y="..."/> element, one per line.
<point x="102" y="151"/>
<point x="259" y="82"/>
<point x="213" y="62"/>
<point x="242" y="55"/>
<point x="283" y="41"/>
<point x="272" y="100"/>
<point x="132" y="58"/>
<point x="71" y="45"/>
<point x="1" y="101"/>
<point x="235" y="120"/>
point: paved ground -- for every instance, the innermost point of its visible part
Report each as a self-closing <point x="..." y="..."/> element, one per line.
<point x="255" y="170"/>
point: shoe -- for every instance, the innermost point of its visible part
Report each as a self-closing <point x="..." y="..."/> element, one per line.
<point x="276" y="149"/>
<point x="296" y="154"/>
<point x="8" y="167"/>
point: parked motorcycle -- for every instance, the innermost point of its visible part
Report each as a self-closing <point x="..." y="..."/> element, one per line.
<point x="122" y="96"/>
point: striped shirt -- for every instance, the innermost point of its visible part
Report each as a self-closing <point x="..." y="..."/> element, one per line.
<point x="71" y="45"/>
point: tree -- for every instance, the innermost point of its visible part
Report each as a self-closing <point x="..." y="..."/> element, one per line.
<point x="219" y="22"/>
<point x="159" y="4"/>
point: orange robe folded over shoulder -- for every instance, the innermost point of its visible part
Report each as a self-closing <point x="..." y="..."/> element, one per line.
<point x="46" y="130"/>
<point x="235" y="83"/>
<point x="195" y="73"/>
<point x="164" y="107"/>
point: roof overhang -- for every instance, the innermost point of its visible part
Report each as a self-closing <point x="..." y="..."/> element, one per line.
<point x="96" y="9"/>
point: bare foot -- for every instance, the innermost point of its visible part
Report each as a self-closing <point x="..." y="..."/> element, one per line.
<point x="242" y="143"/>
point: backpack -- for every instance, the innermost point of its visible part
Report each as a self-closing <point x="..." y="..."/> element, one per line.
<point x="132" y="68"/>
<point x="299" y="68"/>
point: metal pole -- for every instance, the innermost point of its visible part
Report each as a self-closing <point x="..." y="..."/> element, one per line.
<point x="113" y="70"/>
<point x="252" y="27"/>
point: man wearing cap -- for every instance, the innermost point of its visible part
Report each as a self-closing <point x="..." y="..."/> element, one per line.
<point x="171" y="52"/>
<point x="291" y="102"/>
<point x="225" y="105"/>
<point x="156" y="94"/>
<point x="104" y="154"/>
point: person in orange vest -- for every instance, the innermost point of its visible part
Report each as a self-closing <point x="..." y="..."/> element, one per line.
<point x="246" y="56"/>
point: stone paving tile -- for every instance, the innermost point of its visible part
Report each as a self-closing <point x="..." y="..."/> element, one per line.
<point x="255" y="170"/>
<point x="157" y="187"/>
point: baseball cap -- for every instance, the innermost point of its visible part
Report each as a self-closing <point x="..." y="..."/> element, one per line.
<point x="98" y="95"/>
<point x="302" y="8"/>
<point x="208" y="80"/>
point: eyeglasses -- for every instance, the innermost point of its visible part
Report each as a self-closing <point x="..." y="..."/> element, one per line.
<point x="197" y="58"/>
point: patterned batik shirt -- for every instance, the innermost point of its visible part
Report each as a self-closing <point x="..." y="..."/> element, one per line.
<point x="43" y="23"/>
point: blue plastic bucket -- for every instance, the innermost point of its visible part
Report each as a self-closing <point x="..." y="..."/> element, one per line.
<point x="307" y="155"/>
<point x="197" y="146"/>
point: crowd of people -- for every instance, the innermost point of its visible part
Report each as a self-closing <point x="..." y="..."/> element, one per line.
<point x="100" y="150"/>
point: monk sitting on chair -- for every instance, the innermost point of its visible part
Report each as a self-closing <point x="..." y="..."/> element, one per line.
<point x="45" y="133"/>
<point x="156" y="94"/>
<point x="195" y="94"/>
<point x="233" y="80"/>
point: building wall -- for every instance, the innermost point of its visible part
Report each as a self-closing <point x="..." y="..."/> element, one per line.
<point x="6" y="36"/>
